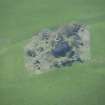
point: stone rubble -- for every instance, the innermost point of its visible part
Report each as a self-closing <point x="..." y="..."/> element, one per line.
<point x="61" y="47"/>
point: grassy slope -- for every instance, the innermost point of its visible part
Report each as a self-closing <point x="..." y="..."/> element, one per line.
<point x="78" y="85"/>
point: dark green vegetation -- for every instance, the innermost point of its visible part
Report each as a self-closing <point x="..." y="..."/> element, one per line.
<point x="82" y="84"/>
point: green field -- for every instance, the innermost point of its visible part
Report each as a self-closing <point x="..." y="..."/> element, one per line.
<point x="81" y="84"/>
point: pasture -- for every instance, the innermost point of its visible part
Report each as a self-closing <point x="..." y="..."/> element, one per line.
<point x="81" y="84"/>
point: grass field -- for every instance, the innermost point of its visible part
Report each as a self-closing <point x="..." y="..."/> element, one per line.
<point x="82" y="84"/>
